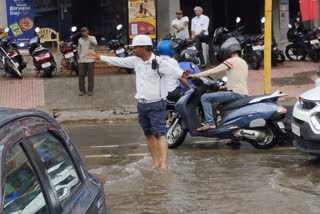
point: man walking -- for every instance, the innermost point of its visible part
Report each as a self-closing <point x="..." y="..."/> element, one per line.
<point x="86" y="64"/>
<point x="151" y="73"/>
<point x="180" y="25"/>
<point x="199" y="31"/>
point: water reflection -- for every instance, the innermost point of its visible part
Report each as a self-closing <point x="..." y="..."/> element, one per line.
<point x="216" y="181"/>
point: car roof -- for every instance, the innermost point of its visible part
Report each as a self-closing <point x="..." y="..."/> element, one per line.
<point x="8" y="115"/>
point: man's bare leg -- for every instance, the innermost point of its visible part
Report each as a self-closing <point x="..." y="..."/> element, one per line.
<point x="153" y="147"/>
<point x="163" y="150"/>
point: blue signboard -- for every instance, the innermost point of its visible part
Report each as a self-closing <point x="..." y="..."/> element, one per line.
<point x="20" y="19"/>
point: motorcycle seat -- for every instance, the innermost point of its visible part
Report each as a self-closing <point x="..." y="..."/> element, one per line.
<point x="238" y="103"/>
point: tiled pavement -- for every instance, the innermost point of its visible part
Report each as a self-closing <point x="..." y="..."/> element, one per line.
<point x="117" y="89"/>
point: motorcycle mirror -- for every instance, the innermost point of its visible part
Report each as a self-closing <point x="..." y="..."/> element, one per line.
<point x="21" y="44"/>
<point x="73" y="29"/>
<point x="289" y="26"/>
<point x="238" y="19"/>
<point x="37" y="29"/>
<point x="6" y="30"/>
<point x="225" y="79"/>
<point x="263" y="19"/>
<point x="119" y="27"/>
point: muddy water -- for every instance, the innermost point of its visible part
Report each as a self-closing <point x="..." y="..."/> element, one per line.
<point x="204" y="179"/>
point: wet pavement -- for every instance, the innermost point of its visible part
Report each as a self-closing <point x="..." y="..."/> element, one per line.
<point x="204" y="176"/>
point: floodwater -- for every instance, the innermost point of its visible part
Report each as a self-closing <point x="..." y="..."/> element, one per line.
<point x="205" y="178"/>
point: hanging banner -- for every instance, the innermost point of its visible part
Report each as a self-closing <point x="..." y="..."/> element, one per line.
<point x="142" y="17"/>
<point x="20" y="19"/>
<point x="309" y="9"/>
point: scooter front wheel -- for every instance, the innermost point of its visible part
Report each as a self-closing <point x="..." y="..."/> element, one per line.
<point x="267" y="139"/>
<point x="175" y="134"/>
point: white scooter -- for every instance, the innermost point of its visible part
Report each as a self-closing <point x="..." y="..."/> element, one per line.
<point x="306" y="120"/>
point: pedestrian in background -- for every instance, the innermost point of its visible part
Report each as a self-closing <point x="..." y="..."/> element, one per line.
<point x="151" y="85"/>
<point x="199" y="31"/>
<point x="86" y="64"/>
<point x="180" y="25"/>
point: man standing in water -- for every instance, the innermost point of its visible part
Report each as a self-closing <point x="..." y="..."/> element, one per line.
<point x="151" y="73"/>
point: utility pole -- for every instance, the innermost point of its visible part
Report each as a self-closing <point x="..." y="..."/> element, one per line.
<point x="267" y="46"/>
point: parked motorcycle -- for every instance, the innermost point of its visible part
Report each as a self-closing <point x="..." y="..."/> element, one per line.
<point x="11" y="57"/>
<point x="251" y="52"/>
<point x="256" y="119"/>
<point x="302" y="44"/>
<point x="43" y="60"/>
<point x="277" y="55"/>
<point x="117" y="44"/>
<point x="69" y="51"/>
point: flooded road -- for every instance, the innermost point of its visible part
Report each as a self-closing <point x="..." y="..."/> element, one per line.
<point x="203" y="176"/>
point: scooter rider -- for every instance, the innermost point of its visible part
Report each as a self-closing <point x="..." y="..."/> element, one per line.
<point x="166" y="51"/>
<point x="151" y="72"/>
<point x="237" y="73"/>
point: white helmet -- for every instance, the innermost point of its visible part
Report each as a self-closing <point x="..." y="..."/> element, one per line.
<point x="141" y="40"/>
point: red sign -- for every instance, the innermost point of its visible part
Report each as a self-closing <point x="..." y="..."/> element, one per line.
<point x="309" y="9"/>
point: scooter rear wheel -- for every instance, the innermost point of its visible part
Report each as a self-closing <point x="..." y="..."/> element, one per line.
<point x="268" y="140"/>
<point x="175" y="135"/>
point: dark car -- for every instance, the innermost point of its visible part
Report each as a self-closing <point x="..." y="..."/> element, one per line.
<point x="41" y="171"/>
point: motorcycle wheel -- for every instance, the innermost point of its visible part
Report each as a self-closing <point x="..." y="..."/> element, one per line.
<point x="75" y="67"/>
<point x="268" y="140"/>
<point x="13" y="70"/>
<point x="281" y="58"/>
<point x="274" y="60"/>
<point x="293" y="54"/>
<point x="314" y="55"/>
<point x="175" y="134"/>
<point x="253" y="59"/>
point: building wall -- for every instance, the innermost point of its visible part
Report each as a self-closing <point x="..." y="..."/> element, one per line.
<point x="3" y="16"/>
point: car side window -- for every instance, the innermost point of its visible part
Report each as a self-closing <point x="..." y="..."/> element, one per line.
<point x="22" y="190"/>
<point x="58" y="163"/>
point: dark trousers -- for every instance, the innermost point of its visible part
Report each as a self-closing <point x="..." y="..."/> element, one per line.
<point x="86" y="69"/>
<point x="176" y="94"/>
<point x="198" y="39"/>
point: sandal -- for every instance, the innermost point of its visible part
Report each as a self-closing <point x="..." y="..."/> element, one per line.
<point x="206" y="127"/>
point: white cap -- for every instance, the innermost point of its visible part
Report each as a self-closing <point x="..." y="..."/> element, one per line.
<point x="141" y="40"/>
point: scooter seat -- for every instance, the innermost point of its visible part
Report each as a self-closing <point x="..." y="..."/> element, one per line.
<point x="237" y="103"/>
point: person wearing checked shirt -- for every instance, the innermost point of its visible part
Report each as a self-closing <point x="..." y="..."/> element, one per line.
<point x="151" y="73"/>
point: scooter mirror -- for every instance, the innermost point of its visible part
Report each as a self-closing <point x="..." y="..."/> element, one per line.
<point x="73" y="29"/>
<point x="119" y="27"/>
<point x="6" y="30"/>
<point x="225" y="79"/>
<point x="238" y="19"/>
<point x="21" y="44"/>
<point x="37" y="29"/>
<point x="263" y="19"/>
<point x="289" y="26"/>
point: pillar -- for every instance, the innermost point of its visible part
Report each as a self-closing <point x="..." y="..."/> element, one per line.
<point x="166" y="12"/>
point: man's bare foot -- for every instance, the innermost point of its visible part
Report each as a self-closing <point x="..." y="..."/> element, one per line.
<point x="164" y="167"/>
<point x="155" y="166"/>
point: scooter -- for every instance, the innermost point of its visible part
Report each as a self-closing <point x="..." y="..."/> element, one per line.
<point x="117" y="44"/>
<point x="11" y="57"/>
<point x="256" y="119"/>
<point x="69" y="51"/>
<point x="42" y="58"/>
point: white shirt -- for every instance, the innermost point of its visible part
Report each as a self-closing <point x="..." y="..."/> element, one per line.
<point x="83" y="46"/>
<point x="182" y="34"/>
<point x="148" y="82"/>
<point x="172" y="80"/>
<point x="200" y="23"/>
